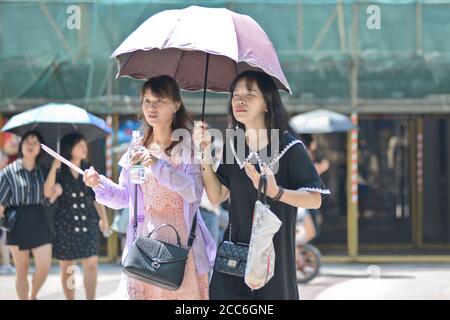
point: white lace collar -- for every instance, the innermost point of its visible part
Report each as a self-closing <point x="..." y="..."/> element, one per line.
<point x="277" y="156"/>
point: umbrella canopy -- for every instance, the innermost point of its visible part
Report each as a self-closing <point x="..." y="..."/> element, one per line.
<point x="321" y="121"/>
<point x="54" y="121"/>
<point x="202" y="48"/>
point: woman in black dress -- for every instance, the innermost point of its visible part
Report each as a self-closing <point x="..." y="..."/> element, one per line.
<point x="22" y="186"/>
<point x="255" y="108"/>
<point x="77" y="220"/>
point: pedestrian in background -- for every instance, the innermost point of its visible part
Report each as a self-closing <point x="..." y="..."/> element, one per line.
<point x="22" y="186"/>
<point x="77" y="220"/>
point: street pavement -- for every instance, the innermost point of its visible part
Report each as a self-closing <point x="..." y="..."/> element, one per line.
<point x="376" y="282"/>
<point x="336" y="282"/>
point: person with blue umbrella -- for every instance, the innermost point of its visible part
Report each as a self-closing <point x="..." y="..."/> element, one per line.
<point x="78" y="218"/>
<point x="54" y="120"/>
<point x="75" y="218"/>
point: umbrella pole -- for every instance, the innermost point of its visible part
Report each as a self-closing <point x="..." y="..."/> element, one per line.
<point x="57" y="139"/>
<point x="205" y="86"/>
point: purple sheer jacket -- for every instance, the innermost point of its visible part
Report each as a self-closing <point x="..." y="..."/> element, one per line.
<point x="186" y="180"/>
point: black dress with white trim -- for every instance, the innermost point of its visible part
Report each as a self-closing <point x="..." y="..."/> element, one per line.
<point x="76" y="230"/>
<point x="293" y="171"/>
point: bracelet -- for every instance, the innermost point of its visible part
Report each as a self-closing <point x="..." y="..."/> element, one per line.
<point x="279" y="194"/>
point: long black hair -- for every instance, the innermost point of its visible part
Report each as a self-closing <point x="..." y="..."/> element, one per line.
<point x="307" y="139"/>
<point x="276" y="117"/>
<point x="28" y="134"/>
<point x="68" y="142"/>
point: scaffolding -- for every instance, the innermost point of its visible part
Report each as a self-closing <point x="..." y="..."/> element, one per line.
<point x="326" y="48"/>
<point x="351" y="56"/>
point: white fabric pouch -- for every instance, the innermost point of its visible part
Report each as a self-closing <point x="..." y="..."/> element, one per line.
<point x="260" y="266"/>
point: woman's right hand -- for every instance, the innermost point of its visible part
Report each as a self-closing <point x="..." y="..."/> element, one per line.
<point x="91" y="177"/>
<point x="56" y="164"/>
<point x="201" y="135"/>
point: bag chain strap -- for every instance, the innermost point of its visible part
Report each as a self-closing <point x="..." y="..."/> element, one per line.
<point x="263" y="183"/>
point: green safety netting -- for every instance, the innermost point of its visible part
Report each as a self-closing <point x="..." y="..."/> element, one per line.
<point x="42" y="60"/>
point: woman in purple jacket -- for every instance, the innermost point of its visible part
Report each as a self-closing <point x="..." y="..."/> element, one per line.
<point x="170" y="194"/>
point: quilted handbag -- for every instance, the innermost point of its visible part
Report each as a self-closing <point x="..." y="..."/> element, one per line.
<point x="156" y="262"/>
<point x="231" y="258"/>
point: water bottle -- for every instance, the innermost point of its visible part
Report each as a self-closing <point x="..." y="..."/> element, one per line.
<point x="137" y="171"/>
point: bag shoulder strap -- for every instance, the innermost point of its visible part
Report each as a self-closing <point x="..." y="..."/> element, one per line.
<point x="192" y="233"/>
<point x="262" y="196"/>
<point x="262" y="189"/>
<point x="135" y="221"/>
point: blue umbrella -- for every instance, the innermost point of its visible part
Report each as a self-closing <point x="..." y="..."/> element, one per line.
<point x="321" y="121"/>
<point x="55" y="120"/>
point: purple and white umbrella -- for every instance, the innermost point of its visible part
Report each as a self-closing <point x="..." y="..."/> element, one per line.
<point x="202" y="48"/>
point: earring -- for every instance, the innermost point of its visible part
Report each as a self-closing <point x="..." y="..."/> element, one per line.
<point x="174" y="117"/>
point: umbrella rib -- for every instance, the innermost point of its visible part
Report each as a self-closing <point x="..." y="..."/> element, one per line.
<point x="178" y="65"/>
<point x="126" y="62"/>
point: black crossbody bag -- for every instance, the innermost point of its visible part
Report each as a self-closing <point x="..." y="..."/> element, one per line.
<point x="157" y="262"/>
<point x="232" y="256"/>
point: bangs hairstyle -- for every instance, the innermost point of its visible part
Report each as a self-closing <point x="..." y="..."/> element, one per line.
<point x="165" y="87"/>
<point x="25" y="137"/>
<point x="68" y="142"/>
<point x="276" y="116"/>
